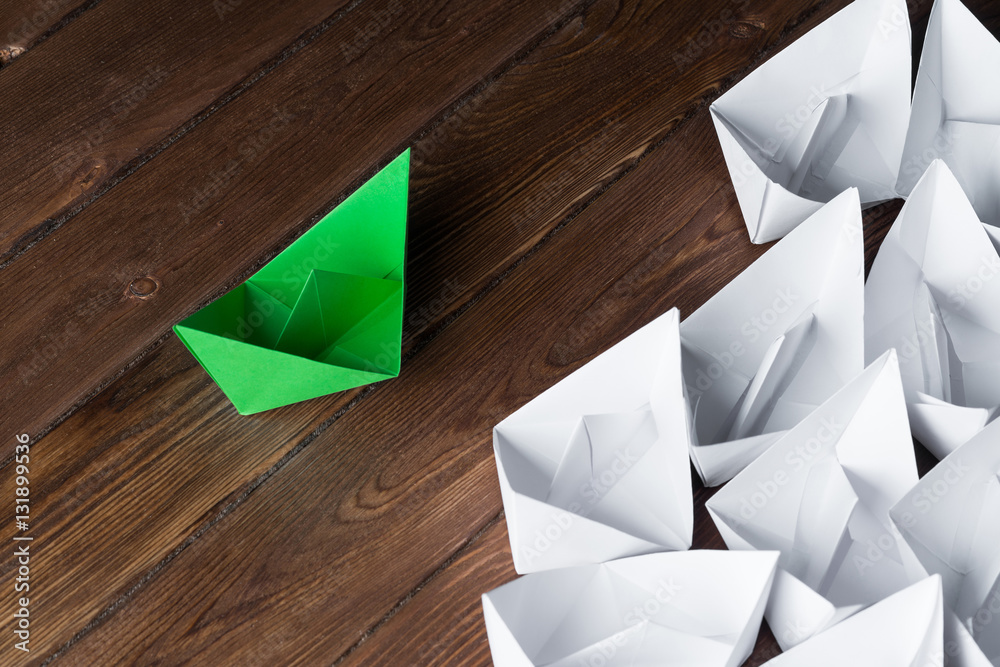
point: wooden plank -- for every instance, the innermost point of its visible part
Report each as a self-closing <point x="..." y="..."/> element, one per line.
<point x="380" y="497"/>
<point x="98" y="106"/>
<point x="189" y="446"/>
<point x="385" y="494"/>
<point x="456" y="635"/>
<point x="70" y="341"/>
<point x="169" y="440"/>
<point x="137" y="390"/>
<point x="232" y="192"/>
<point x="441" y="624"/>
<point x="157" y="476"/>
<point x="491" y="311"/>
<point x="24" y="23"/>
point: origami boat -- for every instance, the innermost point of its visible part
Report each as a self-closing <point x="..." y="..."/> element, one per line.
<point x="323" y="316"/>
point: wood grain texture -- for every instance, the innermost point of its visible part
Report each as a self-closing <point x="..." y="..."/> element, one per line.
<point x="24" y="23"/>
<point x="404" y="478"/>
<point x="131" y="444"/>
<point x="553" y="211"/>
<point x="235" y="190"/>
<point x="451" y="597"/>
<point x="96" y="580"/>
<point x="456" y="635"/>
<point x="98" y="106"/>
<point x="101" y="303"/>
<point x="104" y="579"/>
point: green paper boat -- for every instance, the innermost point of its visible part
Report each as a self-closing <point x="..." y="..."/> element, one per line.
<point x="323" y="316"/>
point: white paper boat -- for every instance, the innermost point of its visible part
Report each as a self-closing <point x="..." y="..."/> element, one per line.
<point x="934" y="294"/>
<point x="821" y="496"/>
<point x="956" y="108"/>
<point x="693" y="608"/>
<point x="777" y="341"/>
<point x="596" y="467"/>
<point x="951" y="520"/>
<point x="904" y="630"/>
<point x="825" y="114"/>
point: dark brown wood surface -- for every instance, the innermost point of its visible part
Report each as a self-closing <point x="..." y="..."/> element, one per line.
<point x="567" y="187"/>
<point x="26" y="23"/>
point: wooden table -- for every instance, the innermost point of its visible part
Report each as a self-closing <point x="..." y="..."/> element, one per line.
<point x="567" y="187"/>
